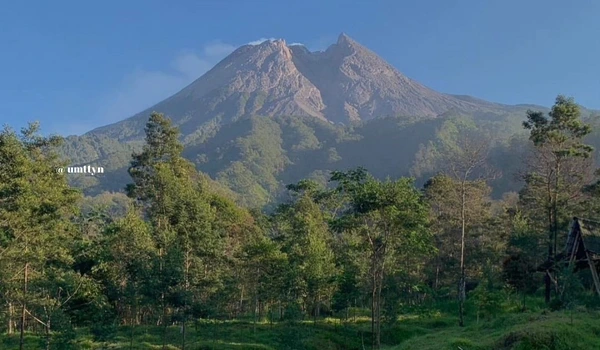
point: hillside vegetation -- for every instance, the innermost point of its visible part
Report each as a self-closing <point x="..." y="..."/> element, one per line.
<point x="343" y="259"/>
<point x="256" y="157"/>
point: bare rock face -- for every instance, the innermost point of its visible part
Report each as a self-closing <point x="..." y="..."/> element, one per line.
<point x="264" y="76"/>
<point x="347" y="82"/>
<point x="356" y="84"/>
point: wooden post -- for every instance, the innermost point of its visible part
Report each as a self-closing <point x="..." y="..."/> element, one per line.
<point x="575" y="249"/>
<point x="24" y="309"/>
<point x="594" y="272"/>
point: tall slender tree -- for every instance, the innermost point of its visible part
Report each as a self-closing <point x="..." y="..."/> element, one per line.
<point x="557" y="170"/>
<point x="460" y="152"/>
<point x="190" y="237"/>
<point x="36" y="208"/>
<point x="307" y="241"/>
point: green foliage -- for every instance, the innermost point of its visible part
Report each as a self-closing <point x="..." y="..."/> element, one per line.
<point x="487" y="298"/>
<point x="304" y="236"/>
<point x="388" y="220"/>
<point x="511" y="331"/>
<point x="560" y="168"/>
<point x="257" y="156"/>
<point x="351" y="262"/>
<point x="563" y="128"/>
<point x="36" y="231"/>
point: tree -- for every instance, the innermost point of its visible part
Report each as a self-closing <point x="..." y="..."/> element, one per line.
<point x="265" y="268"/>
<point x="162" y="181"/>
<point x="193" y="229"/>
<point x="387" y="218"/>
<point x="126" y="264"/>
<point x="444" y="196"/>
<point x="461" y="152"/>
<point x="36" y="208"/>
<point x="558" y="169"/>
<point x="305" y="238"/>
<point x="523" y="258"/>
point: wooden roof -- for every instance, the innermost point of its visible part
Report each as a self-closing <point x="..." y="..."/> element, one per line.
<point x="584" y="236"/>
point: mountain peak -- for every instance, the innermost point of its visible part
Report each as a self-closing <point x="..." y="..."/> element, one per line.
<point x="344" y="38"/>
<point x="274" y="42"/>
<point x="346" y="82"/>
<point x="346" y="45"/>
<point x="346" y="41"/>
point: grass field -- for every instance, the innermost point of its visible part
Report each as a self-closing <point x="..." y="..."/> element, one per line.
<point x="529" y="330"/>
<point x="539" y="330"/>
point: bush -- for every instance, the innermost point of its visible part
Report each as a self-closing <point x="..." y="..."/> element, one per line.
<point x="487" y="300"/>
<point x="292" y="312"/>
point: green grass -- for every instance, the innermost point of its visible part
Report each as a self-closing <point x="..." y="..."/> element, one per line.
<point x="518" y="331"/>
<point x="531" y="330"/>
<point x="328" y="334"/>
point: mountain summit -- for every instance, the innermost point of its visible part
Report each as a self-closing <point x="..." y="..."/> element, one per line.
<point x="346" y="82"/>
<point x="262" y="118"/>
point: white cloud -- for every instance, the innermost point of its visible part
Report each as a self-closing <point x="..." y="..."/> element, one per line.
<point x="260" y="41"/>
<point x="143" y="88"/>
<point x="296" y="44"/>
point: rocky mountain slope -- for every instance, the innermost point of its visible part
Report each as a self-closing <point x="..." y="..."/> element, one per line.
<point x="347" y="82"/>
<point x="272" y="113"/>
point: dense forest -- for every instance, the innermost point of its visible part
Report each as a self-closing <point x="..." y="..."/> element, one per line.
<point x="344" y="259"/>
<point x="257" y="157"/>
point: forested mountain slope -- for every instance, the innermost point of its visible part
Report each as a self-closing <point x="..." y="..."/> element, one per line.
<point x="271" y="114"/>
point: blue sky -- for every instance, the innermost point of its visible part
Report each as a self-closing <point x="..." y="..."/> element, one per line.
<point x="77" y="65"/>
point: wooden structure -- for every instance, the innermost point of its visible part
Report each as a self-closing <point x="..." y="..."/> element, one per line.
<point x="583" y="248"/>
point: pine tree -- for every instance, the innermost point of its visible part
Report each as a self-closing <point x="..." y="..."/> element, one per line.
<point x="36" y="209"/>
<point x="558" y="169"/>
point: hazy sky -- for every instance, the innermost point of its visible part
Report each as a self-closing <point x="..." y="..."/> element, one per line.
<point x="76" y="65"/>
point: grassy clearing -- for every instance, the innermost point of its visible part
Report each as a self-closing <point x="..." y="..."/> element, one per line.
<point x="326" y="334"/>
<point x="519" y="331"/>
<point x="525" y="331"/>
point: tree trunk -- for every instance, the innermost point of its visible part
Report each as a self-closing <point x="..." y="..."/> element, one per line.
<point x="318" y="313"/>
<point x="373" y="302"/>
<point x="164" y="325"/>
<point x="254" y="308"/>
<point x="163" y="318"/>
<point x="547" y="281"/>
<point x="187" y="286"/>
<point x="315" y="307"/>
<point x="553" y="231"/>
<point x="378" y="333"/>
<point x="47" y="327"/>
<point x="555" y="208"/>
<point x="183" y="335"/>
<point x="23" y="309"/>
<point x="131" y="337"/>
<point x="348" y="311"/>
<point x="437" y="276"/>
<point x="241" y="307"/>
<point x="548" y="285"/>
<point x="11" y="311"/>
<point x="134" y="317"/>
<point x="461" y="284"/>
